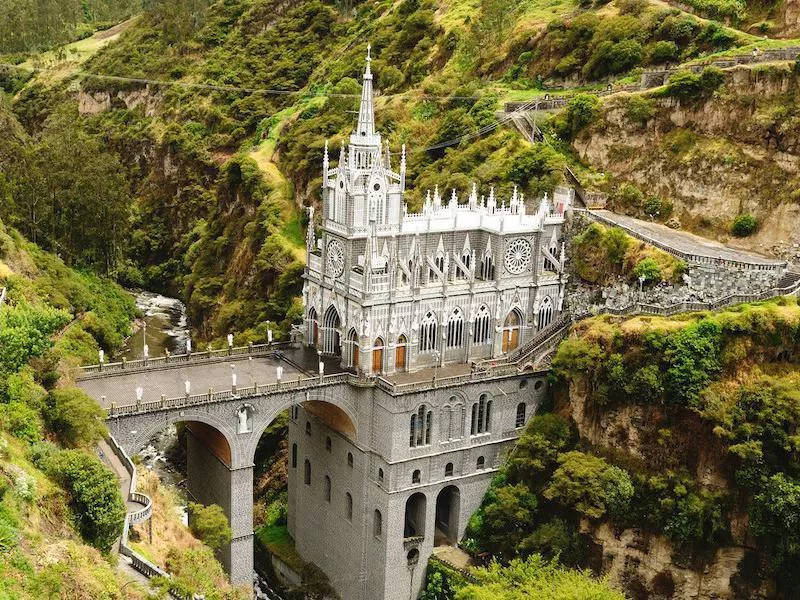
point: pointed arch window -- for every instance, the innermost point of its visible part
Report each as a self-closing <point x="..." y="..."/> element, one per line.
<point x="330" y="331"/>
<point x="481" y="416"/>
<point x="487" y="268"/>
<point x="455" y="329"/>
<point x="520" y="419"/>
<point x="421" y="425"/>
<point x="427" y="333"/>
<point x="313" y="327"/>
<point x="545" y="313"/>
<point x="327" y="489"/>
<point x="307" y="472"/>
<point x="348" y="506"/>
<point x="483" y="333"/>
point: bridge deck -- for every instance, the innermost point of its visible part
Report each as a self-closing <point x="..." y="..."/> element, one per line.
<point x="121" y="388"/>
<point x="685" y="242"/>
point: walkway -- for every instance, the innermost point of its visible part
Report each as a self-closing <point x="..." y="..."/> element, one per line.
<point x="683" y="243"/>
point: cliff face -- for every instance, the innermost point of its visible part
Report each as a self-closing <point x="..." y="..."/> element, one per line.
<point x="736" y="152"/>
<point x="646" y="564"/>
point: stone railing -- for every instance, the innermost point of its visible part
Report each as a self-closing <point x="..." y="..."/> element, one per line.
<point x="697" y="259"/>
<point x="212" y="396"/>
<point x="170" y="361"/>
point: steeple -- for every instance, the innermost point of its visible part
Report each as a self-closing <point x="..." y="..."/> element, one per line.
<point x="366" y="113"/>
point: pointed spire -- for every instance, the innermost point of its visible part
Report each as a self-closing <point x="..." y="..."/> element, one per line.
<point x="342" y="160"/>
<point x="325" y="160"/>
<point x="366" y="113"/>
<point x="437" y="200"/>
<point x="453" y="199"/>
<point x="473" y="197"/>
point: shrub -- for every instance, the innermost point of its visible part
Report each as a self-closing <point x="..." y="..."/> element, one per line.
<point x="648" y="269"/>
<point x="22" y="421"/>
<point x="96" y="501"/>
<point x="210" y="525"/>
<point x="662" y="52"/>
<point x="744" y="225"/>
<point x="581" y="110"/>
<point x="686" y="85"/>
<point x="639" y="110"/>
<point x="74" y="417"/>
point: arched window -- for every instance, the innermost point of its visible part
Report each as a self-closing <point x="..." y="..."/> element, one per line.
<point x="545" y="313"/>
<point x="511" y="329"/>
<point x="483" y="332"/>
<point x="327" y="489"/>
<point x="313" y="327"/>
<point x="348" y="506"/>
<point x="353" y="349"/>
<point x="307" y="472"/>
<point x="448" y="470"/>
<point x="294" y="456"/>
<point x="487" y="269"/>
<point x="439" y="260"/>
<point x="416" y="476"/>
<point x="420" y="429"/>
<point x="328" y="443"/>
<point x="377" y="355"/>
<point x="480" y="463"/>
<point x="481" y="415"/>
<point x="549" y="265"/>
<point x="377" y="524"/>
<point x="427" y="333"/>
<point x="308" y="427"/>
<point x="350" y="459"/>
<point x="330" y="331"/>
<point x="455" y="329"/>
<point x="446" y="420"/>
<point x="380" y="475"/>
<point x="520" y="420"/>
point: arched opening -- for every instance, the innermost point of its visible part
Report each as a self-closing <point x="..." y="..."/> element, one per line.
<point x="313" y="327"/>
<point x="307" y="472"/>
<point x="332" y="416"/>
<point x="400" y="353"/>
<point x="483" y="331"/>
<point x="353" y="349"/>
<point x="448" y="470"/>
<point x="427" y="333"/>
<point x="330" y="331"/>
<point x="377" y="523"/>
<point x="416" y="476"/>
<point x="519" y="421"/>
<point x="448" y="505"/>
<point x="545" y="313"/>
<point x="415" y="516"/>
<point x="511" y="329"/>
<point x="327" y="488"/>
<point x="377" y="355"/>
<point x="455" y="329"/>
<point x="480" y="463"/>
<point x="348" y="506"/>
<point x="420" y="427"/>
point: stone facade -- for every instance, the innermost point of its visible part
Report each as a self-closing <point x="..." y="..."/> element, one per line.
<point x="391" y="291"/>
<point x="374" y="545"/>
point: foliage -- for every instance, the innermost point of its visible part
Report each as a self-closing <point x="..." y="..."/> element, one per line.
<point x="210" y="525"/>
<point x="648" y="270"/>
<point x="196" y="571"/>
<point x="74" y="417"/>
<point x="693" y="356"/>
<point x="534" y="577"/>
<point x="589" y="485"/>
<point x="639" y="110"/>
<point x="581" y="110"/>
<point x="537" y="170"/>
<point x="775" y="518"/>
<point x="99" y="510"/>
<point x="690" y="86"/>
<point x="744" y="225"/>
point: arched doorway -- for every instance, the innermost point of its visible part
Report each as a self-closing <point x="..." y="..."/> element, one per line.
<point x="330" y="331"/>
<point x="415" y="516"/>
<point x="448" y="505"/>
<point x="400" y="353"/>
<point x="511" y="328"/>
<point x="377" y="355"/>
<point x="353" y="349"/>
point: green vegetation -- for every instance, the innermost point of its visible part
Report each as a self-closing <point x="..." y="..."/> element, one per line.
<point x="210" y="525"/>
<point x="599" y="254"/>
<point x="534" y="578"/>
<point x="691" y="86"/>
<point x="28" y="25"/>
<point x="744" y="225"/>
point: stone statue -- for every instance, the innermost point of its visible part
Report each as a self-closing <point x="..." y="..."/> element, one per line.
<point x="244" y="418"/>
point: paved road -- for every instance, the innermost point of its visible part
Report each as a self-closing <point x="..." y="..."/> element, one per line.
<point x="121" y="389"/>
<point x="684" y="241"/>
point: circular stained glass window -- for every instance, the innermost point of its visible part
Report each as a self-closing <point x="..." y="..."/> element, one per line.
<point x="518" y="256"/>
<point x="335" y="259"/>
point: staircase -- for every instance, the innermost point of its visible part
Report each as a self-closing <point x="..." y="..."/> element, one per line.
<point x="790" y="278"/>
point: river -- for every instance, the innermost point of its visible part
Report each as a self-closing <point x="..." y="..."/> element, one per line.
<point x="165" y="327"/>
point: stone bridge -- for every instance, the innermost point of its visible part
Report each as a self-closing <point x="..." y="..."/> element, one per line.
<point x="232" y="396"/>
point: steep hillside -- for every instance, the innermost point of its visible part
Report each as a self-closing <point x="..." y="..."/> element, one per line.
<point x="713" y="154"/>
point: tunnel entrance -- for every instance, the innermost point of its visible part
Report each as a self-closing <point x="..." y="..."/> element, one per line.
<point x="447" y="508"/>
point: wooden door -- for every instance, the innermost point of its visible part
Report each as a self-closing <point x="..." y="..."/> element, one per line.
<point x="377" y="360"/>
<point x="356" y="353"/>
<point x="514" y="339"/>
<point x="400" y="357"/>
<point x="506" y="340"/>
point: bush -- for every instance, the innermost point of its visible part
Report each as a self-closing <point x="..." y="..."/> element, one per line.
<point x="210" y="525"/>
<point x="96" y="501"/>
<point x="686" y="85"/>
<point x="744" y="225"/>
<point x="74" y="417"/>
<point x="661" y="52"/>
<point x="648" y="269"/>
<point x="639" y="110"/>
<point x="581" y="110"/>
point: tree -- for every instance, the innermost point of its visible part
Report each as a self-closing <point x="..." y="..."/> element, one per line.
<point x="96" y="501"/>
<point x="74" y="417"/>
<point x="693" y="355"/>
<point x="507" y="513"/>
<point x="744" y="225"/>
<point x="648" y="269"/>
<point x="589" y="485"/>
<point x="537" y="169"/>
<point x="210" y="525"/>
<point x="581" y="110"/>
<point x="535" y="577"/>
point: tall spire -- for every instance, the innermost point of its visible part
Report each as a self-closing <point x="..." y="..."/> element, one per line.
<point x="366" y="113"/>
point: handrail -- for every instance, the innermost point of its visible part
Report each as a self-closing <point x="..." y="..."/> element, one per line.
<point x="177" y="360"/>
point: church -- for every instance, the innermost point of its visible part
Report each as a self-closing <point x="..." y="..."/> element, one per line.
<point x="392" y="291"/>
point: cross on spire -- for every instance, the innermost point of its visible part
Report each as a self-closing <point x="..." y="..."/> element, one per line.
<point x="366" y="113"/>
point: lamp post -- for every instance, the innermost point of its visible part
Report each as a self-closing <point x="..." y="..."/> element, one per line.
<point x="321" y="365"/>
<point x="436" y="355"/>
<point x="641" y="286"/>
<point x="233" y="379"/>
